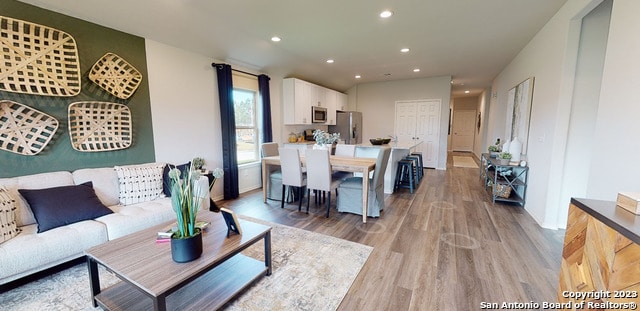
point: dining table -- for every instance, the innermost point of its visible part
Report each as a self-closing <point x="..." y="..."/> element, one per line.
<point x="338" y="163"/>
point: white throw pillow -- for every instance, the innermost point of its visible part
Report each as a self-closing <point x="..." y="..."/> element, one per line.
<point x="139" y="183"/>
<point x="8" y="227"/>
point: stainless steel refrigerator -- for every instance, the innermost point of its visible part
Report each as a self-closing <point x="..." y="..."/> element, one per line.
<point x="349" y="125"/>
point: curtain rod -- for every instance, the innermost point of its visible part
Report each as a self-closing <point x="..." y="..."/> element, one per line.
<point x="248" y="73"/>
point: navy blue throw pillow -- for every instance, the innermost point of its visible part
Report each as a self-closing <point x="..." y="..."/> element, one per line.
<point x="166" y="181"/>
<point x="60" y="206"/>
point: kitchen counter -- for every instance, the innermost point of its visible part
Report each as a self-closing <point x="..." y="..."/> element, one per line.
<point x="399" y="150"/>
<point x="407" y="145"/>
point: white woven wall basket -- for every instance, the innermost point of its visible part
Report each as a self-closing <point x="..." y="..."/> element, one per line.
<point x="37" y="60"/>
<point x="115" y="75"/>
<point x="99" y="126"/>
<point x="24" y="130"/>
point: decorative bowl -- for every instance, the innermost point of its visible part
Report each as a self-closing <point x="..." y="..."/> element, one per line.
<point x="379" y="141"/>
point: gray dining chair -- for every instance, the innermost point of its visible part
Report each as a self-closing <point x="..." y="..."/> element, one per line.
<point x="319" y="176"/>
<point x="292" y="174"/>
<point x="274" y="180"/>
<point x="344" y="150"/>
<point x="350" y="198"/>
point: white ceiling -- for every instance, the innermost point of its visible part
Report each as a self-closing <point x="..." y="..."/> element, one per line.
<point x="471" y="40"/>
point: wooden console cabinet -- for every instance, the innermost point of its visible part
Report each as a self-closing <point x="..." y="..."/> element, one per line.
<point x="601" y="254"/>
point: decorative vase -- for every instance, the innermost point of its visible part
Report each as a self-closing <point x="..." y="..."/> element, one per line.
<point x="504" y="161"/>
<point x="515" y="149"/>
<point x="187" y="249"/>
<point x="321" y="146"/>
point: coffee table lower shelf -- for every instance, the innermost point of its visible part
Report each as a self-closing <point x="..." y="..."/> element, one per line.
<point x="208" y="292"/>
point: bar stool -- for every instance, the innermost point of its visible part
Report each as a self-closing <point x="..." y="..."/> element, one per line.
<point x="404" y="176"/>
<point x="420" y="165"/>
<point x="416" y="171"/>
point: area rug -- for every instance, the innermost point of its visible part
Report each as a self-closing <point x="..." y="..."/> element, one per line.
<point x="459" y="161"/>
<point x="311" y="271"/>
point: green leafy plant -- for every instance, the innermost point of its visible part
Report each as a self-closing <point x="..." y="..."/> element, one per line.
<point x="493" y="148"/>
<point x="197" y="163"/>
<point x="323" y="138"/>
<point x="186" y="198"/>
<point x="505" y="155"/>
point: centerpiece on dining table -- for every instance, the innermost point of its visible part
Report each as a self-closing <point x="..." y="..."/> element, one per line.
<point x="324" y="140"/>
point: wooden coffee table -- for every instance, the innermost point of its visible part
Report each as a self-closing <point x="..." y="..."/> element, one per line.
<point x="151" y="280"/>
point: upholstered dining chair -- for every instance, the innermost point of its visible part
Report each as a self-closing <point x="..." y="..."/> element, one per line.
<point x="319" y="175"/>
<point x="274" y="182"/>
<point x="344" y="150"/>
<point x="350" y="199"/>
<point x="292" y="174"/>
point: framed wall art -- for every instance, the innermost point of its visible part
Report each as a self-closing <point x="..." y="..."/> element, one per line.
<point x="519" y="112"/>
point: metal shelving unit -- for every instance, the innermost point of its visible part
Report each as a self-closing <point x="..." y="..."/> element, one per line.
<point x="512" y="176"/>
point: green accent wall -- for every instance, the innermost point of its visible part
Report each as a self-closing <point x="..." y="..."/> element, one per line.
<point x="93" y="41"/>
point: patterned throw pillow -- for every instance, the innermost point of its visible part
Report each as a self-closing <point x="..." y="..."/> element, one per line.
<point x="139" y="183"/>
<point x="8" y="227"/>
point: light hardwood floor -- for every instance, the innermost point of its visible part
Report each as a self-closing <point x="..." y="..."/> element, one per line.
<point x="445" y="247"/>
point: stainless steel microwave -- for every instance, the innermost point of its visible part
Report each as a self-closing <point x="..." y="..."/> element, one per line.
<point x="318" y="114"/>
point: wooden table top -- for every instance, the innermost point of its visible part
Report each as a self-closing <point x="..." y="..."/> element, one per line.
<point x="347" y="164"/>
<point x="142" y="261"/>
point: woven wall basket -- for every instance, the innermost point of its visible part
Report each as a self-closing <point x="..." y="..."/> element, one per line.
<point x="37" y="60"/>
<point x="115" y="75"/>
<point x="24" y="130"/>
<point x="99" y="126"/>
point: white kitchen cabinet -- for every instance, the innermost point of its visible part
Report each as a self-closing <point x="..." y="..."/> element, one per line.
<point x="330" y="100"/>
<point x="342" y="102"/>
<point x="298" y="96"/>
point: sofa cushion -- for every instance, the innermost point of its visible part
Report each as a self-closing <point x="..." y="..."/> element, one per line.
<point x="24" y="216"/>
<point x="105" y="183"/>
<point x="8" y="227"/>
<point x="30" y="251"/>
<point x="59" y="206"/>
<point x="166" y="181"/>
<point x="135" y="217"/>
<point x="139" y="183"/>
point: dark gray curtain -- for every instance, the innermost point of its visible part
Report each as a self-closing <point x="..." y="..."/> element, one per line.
<point x="228" y="123"/>
<point x="263" y="88"/>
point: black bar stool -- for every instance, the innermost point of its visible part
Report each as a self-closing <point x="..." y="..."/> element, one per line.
<point x="420" y="163"/>
<point x="404" y="176"/>
<point x="416" y="171"/>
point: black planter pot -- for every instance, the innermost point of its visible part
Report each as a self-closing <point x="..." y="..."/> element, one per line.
<point x="186" y="249"/>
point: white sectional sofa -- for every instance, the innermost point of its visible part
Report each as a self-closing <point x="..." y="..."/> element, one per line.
<point x="30" y="251"/>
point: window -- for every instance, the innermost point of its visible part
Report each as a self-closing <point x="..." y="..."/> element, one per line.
<point x="247" y="133"/>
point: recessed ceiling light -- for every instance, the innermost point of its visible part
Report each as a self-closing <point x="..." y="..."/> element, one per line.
<point x="416" y="70"/>
<point x="386" y="14"/>
<point x="329" y="61"/>
<point x="405" y="50"/>
<point x="358" y="76"/>
<point x="466" y="92"/>
<point x="276" y="39"/>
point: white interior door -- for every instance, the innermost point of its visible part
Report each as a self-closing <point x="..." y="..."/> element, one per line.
<point x="419" y="120"/>
<point x="428" y="131"/>
<point x="463" y="130"/>
<point x="405" y="121"/>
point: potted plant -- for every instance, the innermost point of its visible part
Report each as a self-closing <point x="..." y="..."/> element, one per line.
<point x="504" y="157"/>
<point x="493" y="151"/>
<point x="186" y="194"/>
<point x="198" y="163"/>
<point x="323" y="139"/>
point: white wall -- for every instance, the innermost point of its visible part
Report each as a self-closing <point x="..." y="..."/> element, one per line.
<point x="186" y="112"/>
<point x="614" y="162"/>
<point x="377" y="101"/>
<point x="481" y="144"/>
<point x="551" y="58"/>
<point x="184" y="107"/>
